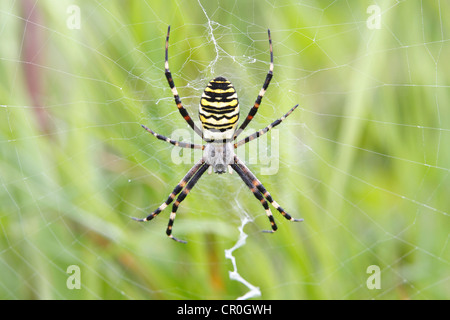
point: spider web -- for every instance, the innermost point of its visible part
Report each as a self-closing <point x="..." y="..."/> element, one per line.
<point x="364" y="159"/>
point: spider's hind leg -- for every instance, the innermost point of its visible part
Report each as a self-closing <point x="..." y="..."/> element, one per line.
<point x="257" y="184"/>
<point x="258" y="196"/>
<point x="181" y="197"/>
<point x="174" y="193"/>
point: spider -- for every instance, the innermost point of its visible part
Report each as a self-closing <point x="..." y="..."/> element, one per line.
<point x="219" y="115"/>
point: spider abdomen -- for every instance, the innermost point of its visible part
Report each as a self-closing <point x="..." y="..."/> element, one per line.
<point x="219" y="110"/>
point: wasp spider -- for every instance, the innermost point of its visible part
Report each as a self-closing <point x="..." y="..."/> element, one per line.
<point x="219" y="115"/>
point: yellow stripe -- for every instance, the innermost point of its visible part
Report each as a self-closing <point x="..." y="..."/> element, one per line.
<point x="207" y="89"/>
<point x="216" y="104"/>
<point x="217" y="81"/>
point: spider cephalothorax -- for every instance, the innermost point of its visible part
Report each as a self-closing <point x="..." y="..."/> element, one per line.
<point x="219" y="156"/>
<point x="219" y="115"/>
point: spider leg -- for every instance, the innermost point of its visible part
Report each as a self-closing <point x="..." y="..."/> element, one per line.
<point x="263" y="190"/>
<point x="258" y="196"/>
<point x="263" y="131"/>
<point x="175" y="143"/>
<point x="181" y="197"/>
<point x="175" y="191"/>
<point x="253" y="110"/>
<point x="168" y="74"/>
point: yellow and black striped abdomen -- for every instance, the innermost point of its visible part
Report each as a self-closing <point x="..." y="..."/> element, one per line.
<point x="219" y="110"/>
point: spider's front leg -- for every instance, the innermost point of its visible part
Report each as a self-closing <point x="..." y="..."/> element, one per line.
<point x="173" y="88"/>
<point x="258" y="100"/>
<point x="175" y="143"/>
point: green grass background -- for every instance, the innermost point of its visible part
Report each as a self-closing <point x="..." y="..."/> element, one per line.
<point x="364" y="160"/>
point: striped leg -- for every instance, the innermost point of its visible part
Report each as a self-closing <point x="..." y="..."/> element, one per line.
<point x="258" y="196"/>
<point x="263" y="190"/>
<point x="175" y="191"/>
<point x="181" y="197"/>
<point x="253" y="110"/>
<point x="182" y="110"/>
<point x="263" y="131"/>
<point x="175" y="143"/>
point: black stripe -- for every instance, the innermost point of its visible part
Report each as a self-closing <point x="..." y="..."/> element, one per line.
<point x="184" y="112"/>
<point x="221" y="117"/>
<point x="213" y="96"/>
<point x="220" y="83"/>
<point x="252" y="112"/>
